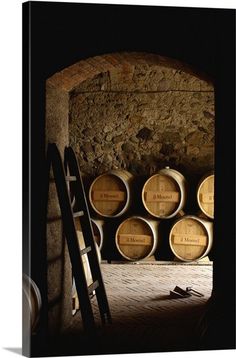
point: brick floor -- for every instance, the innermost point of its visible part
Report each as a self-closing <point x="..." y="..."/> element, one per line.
<point x="144" y="317"/>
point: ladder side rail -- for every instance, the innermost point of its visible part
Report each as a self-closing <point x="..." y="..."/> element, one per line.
<point x="81" y="203"/>
<point x="86" y="225"/>
<point x="71" y="237"/>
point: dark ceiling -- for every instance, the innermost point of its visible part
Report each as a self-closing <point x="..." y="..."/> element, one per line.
<point x="64" y="33"/>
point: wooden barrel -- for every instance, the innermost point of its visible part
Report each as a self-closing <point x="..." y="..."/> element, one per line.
<point x="32" y="304"/>
<point x="191" y="238"/>
<point x="98" y="231"/>
<point x="109" y="194"/>
<point x="136" y="238"/>
<point x="164" y="193"/>
<point x="88" y="274"/>
<point x="205" y="195"/>
<point x="81" y="238"/>
<point x="85" y="257"/>
<point x="71" y="188"/>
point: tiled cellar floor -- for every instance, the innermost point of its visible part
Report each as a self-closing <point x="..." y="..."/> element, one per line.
<point x="144" y="317"/>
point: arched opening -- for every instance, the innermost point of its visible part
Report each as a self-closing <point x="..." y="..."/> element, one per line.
<point x="139" y="112"/>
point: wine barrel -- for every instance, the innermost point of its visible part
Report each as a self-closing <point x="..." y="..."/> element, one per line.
<point x="85" y="260"/>
<point x="205" y="195"/>
<point x="98" y="231"/>
<point x="32" y="303"/>
<point x="191" y="238"/>
<point x="87" y="270"/>
<point x="109" y="193"/>
<point x="164" y="193"/>
<point x="136" y="238"/>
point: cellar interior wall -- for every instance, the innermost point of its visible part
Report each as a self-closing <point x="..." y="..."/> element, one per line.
<point x="142" y="116"/>
<point x="134" y="111"/>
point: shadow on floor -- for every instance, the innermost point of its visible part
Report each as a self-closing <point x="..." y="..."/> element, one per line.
<point x="15" y="350"/>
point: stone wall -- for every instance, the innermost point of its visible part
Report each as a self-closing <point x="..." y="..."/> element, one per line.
<point x="141" y="117"/>
<point x="58" y="264"/>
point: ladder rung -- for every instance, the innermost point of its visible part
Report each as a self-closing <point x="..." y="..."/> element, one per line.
<point x="68" y="178"/>
<point x="93" y="286"/>
<point x="71" y="178"/>
<point x="78" y="213"/>
<point x="86" y="250"/>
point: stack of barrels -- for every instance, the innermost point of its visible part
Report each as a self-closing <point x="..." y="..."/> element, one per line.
<point x="162" y="198"/>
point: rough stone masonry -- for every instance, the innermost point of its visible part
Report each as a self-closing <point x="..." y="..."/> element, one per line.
<point x="142" y="117"/>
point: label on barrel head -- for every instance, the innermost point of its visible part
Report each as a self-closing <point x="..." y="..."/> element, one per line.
<point x="207" y="198"/>
<point x="107" y="195"/>
<point x="185" y="239"/>
<point x="135" y="239"/>
<point x="162" y="196"/>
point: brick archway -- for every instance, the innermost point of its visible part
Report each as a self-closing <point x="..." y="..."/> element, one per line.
<point x="158" y="81"/>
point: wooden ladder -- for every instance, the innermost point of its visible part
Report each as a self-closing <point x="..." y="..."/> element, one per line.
<point x="68" y="215"/>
